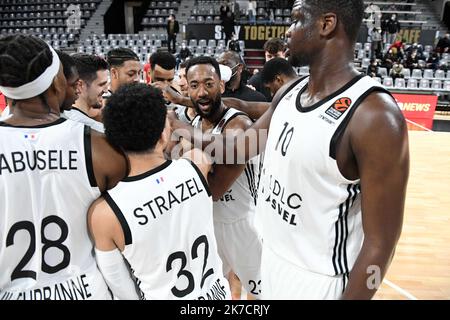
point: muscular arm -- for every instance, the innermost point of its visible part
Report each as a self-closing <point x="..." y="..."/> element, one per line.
<point x="224" y="175"/>
<point x="254" y="109"/>
<point x="379" y="140"/>
<point x="244" y="146"/>
<point x="108" y="238"/>
<point x="109" y="165"/>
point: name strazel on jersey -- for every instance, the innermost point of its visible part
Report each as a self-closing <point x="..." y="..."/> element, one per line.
<point x="165" y="202"/>
<point x="19" y="161"/>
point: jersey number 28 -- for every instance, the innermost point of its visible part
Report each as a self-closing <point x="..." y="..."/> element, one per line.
<point x="19" y="272"/>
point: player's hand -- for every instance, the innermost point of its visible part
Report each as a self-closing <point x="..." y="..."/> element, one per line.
<point x="168" y="92"/>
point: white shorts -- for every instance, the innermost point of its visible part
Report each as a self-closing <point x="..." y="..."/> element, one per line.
<point x="240" y="247"/>
<point x="282" y="280"/>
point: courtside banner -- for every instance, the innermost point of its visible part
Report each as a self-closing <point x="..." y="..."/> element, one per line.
<point x="418" y="108"/>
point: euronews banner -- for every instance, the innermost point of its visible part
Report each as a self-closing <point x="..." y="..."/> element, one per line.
<point x="418" y="108"/>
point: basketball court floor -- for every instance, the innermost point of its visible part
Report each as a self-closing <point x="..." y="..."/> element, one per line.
<point x="421" y="265"/>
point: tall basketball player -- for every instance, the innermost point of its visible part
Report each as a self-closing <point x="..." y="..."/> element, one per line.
<point x="159" y="218"/>
<point x="332" y="211"/>
<point x="51" y="170"/>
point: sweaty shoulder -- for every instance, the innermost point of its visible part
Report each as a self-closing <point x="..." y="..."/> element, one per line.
<point x="110" y="165"/>
<point x="379" y="108"/>
<point x="241" y="121"/>
<point x="379" y="123"/>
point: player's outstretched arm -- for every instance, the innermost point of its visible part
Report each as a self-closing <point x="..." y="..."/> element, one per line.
<point x="379" y="140"/>
<point x="244" y="146"/>
<point x="254" y="109"/>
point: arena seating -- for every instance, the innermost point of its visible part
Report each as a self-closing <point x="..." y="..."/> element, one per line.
<point x="45" y="19"/>
<point x="158" y="12"/>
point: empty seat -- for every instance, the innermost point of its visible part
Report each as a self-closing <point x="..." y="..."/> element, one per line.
<point x="440" y="74"/>
<point x="428" y="74"/>
<point x="365" y="62"/>
<point x="424" y="84"/>
<point x="412" y="83"/>
<point x="400" y="83"/>
<point x="436" y="84"/>
<point x="383" y="72"/>
<point x="202" y="43"/>
<point x="388" y="82"/>
<point x="211" y="43"/>
<point x="416" y="74"/>
<point x="447" y="85"/>
<point x="407" y="73"/>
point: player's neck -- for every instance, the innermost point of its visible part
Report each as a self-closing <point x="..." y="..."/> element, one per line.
<point x="81" y="104"/>
<point x="329" y="73"/>
<point x="32" y="112"/>
<point x="212" y="120"/>
<point x="142" y="163"/>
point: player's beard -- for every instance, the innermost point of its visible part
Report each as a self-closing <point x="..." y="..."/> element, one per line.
<point x="215" y="104"/>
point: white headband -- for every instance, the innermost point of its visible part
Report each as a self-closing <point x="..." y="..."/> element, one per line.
<point x="38" y="85"/>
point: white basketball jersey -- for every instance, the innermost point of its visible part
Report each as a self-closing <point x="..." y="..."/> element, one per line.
<point x="240" y="201"/>
<point x="310" y="213"/>
<point x="79" y="116"/>
<point x="46" y="187"/>
<point x="166" y="217"/>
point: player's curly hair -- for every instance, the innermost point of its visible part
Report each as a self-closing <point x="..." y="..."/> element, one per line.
<point x="22" y="59"/>
<point x="135" y="117"/>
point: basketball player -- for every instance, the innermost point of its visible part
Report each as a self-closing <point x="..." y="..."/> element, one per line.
<point x="275" y="74"/>
<point x="72" y="87"/>
<point x="183" y="113"/>
<point x="60" y="167"/>
<point x="93" y="71"/>
<point x="72" y="78"/>
<point x="159" y="218"/>
<point x="162" y="67"/>
<point x="124" y="67"/>
<point x="233" y="187"/>
<point x="336" y="166"/>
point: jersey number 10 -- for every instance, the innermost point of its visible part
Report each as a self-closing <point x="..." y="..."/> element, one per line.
<point x="47" y="244"/>
<point x="286" y="136"/>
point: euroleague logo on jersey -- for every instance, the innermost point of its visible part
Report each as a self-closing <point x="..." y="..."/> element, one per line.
<point x="339" y="107"/>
